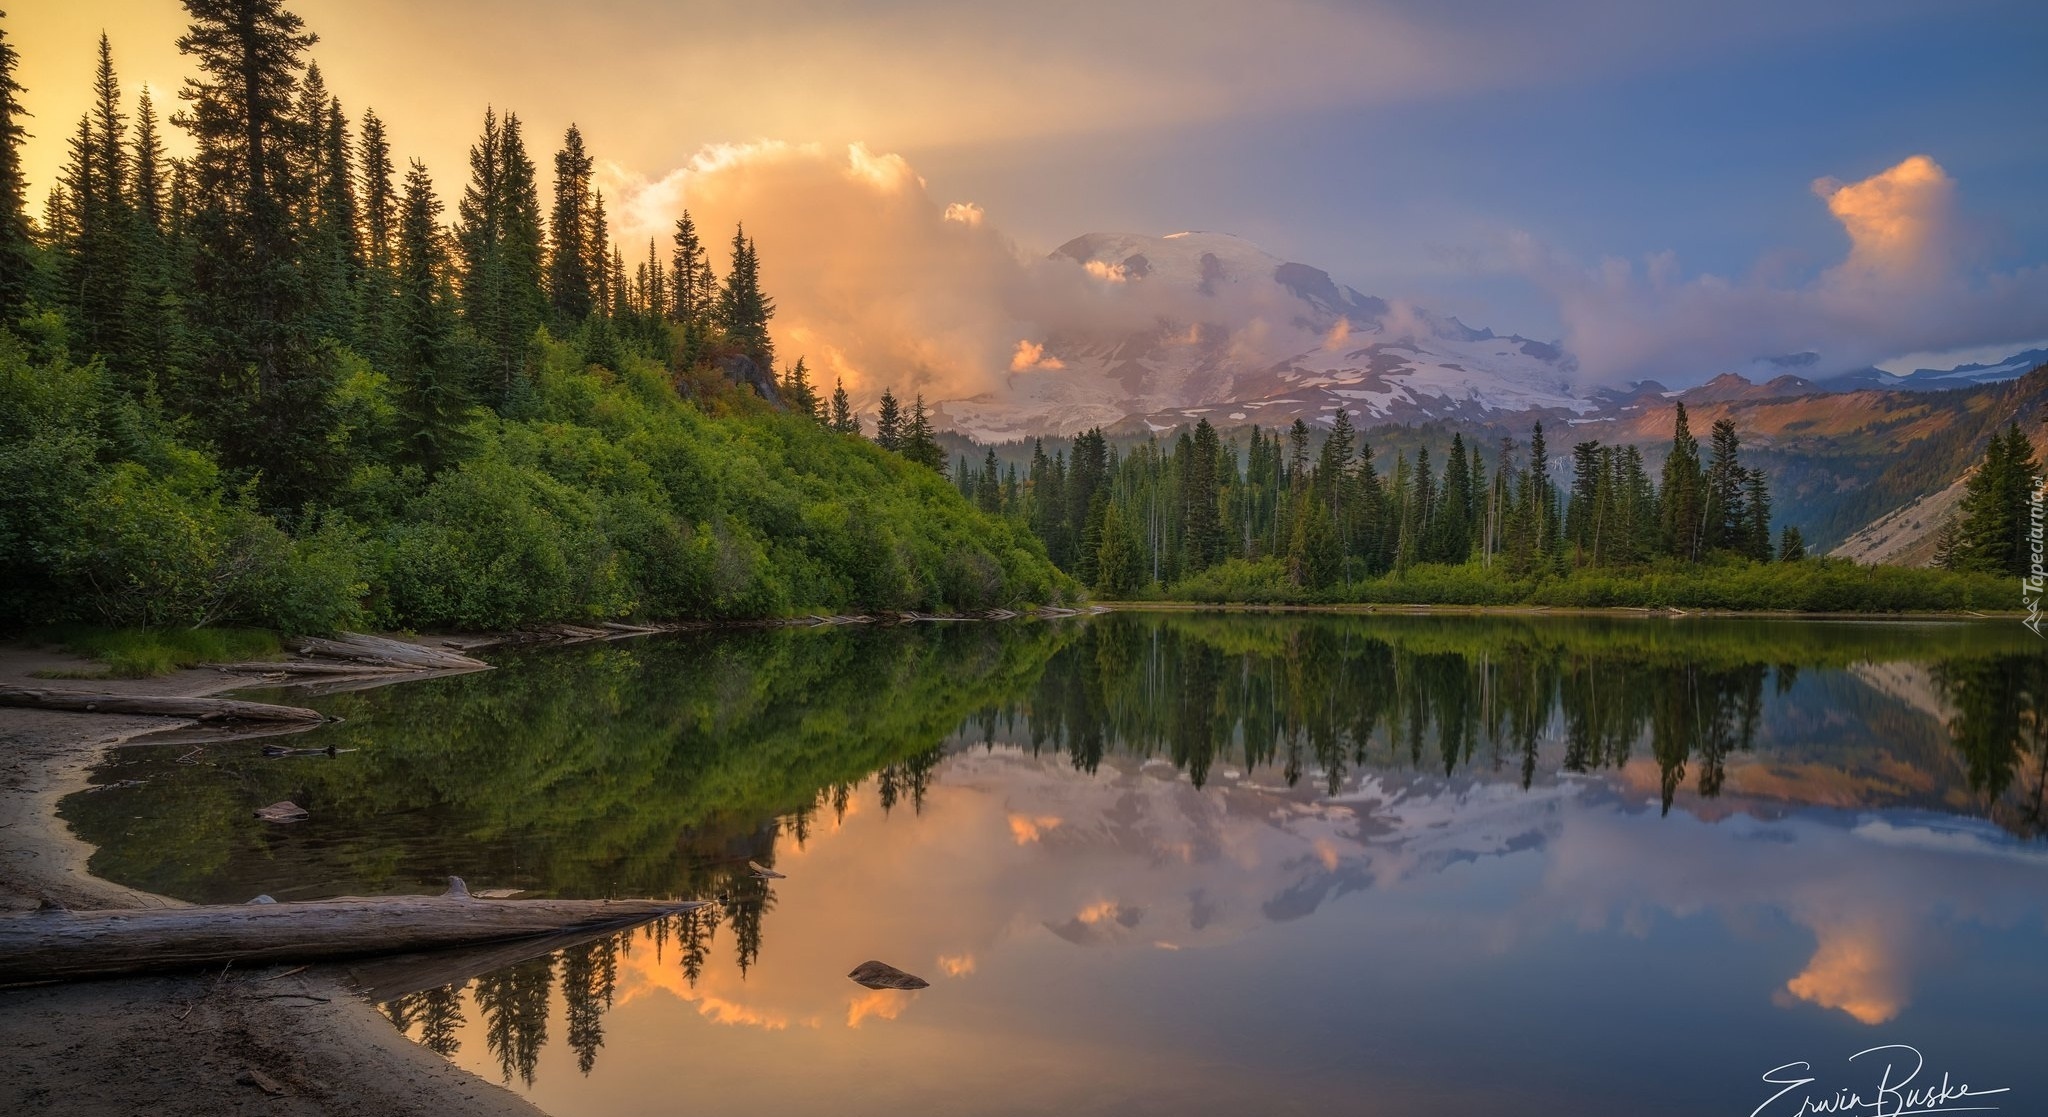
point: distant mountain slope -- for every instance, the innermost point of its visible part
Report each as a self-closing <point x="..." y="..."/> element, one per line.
<point x="1229" y="331"/>
<point x="1207" y="325"/>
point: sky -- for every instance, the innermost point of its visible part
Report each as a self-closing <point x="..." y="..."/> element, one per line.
<point x="1659" y="185"/>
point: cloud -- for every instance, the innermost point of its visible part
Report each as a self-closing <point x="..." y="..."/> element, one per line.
<point x="1905" y="286"/>
<point x="879" y="285"/>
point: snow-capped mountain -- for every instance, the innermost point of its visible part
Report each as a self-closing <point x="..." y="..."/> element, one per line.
<point x="1207" y="324"/>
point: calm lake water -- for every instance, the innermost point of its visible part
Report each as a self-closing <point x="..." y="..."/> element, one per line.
<point x="1195" y="864"/>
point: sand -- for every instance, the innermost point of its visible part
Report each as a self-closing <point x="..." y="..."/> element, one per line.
<point x="260" y="1042"/>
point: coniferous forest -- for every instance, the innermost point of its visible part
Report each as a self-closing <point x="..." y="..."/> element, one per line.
<point x="1302" y="516"/>
<point x="300" y="382"/>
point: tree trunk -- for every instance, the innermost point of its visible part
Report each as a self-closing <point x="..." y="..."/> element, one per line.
<point x="384" y="653"/>
<point x="63" y="945"/>
<point x="204" y="709"/>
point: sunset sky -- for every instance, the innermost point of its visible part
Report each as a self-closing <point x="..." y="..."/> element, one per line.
<point x="1489" y="160"/>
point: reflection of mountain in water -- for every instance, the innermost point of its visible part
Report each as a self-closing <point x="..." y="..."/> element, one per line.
<point x="1214" y="774"/>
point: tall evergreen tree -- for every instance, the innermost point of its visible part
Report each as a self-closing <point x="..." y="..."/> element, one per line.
<point x="17" y="252"/>
<point x="888" y="422"/>
<point x="1681" y="499"/>
<point x="743" y="310"/>
<point x="843" y="419"/>
<point x="266" y="392"/>
<point x="1756" y="505"/>
<point x="572" y="288"/>
<point x="693" y="285"/>
<point x="1726" y="523"/>
<point x="432" y="396"/>
<point x="97" y="268"/>
<point x="920" y="444"/>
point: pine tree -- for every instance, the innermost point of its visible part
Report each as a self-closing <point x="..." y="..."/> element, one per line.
<point x="430" y="389"/>
<point x="376" y="298"/>
<point x="1119" y="561"/>
<point x="743" y="310"/>
<point x="1990" y="532"/>
<point x="1756" y="502"/>
<point x="334" y="256"/>
<point x="156" y="310"/>
<point x="919" y="443"/>
<point x="693" y="285"/>
<point x="1451" y="530"/>
<point x="1791" y="545"/>
<point x="571" y="284"/>
<point x="1680" y="497"/>
<point x="988" y="491"/>
<point x="1201" y="523"/>
<point x="1726" y="521"/>
<point x="843" y="419"/>
<point x="97" y="280"/>
<point x="267" y="390"/>
<point x="888" y="422"/>
<point x="1313" y="556"/>
<point x="798" y="393"/>
<point x="17" y="252"/>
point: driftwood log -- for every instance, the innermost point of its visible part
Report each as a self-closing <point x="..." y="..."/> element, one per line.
<point x="56" y="945"/>
<point x="202" y="709"/>
<point x="376" y="650"/>
<point x="305" y="667"/>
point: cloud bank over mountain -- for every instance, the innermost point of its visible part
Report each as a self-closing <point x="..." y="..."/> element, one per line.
<point x="1907" y="285"/>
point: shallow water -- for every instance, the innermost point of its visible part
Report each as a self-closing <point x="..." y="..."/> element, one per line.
<point x="1186" y="864"/>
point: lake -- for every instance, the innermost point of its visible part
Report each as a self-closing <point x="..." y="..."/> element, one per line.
<point x="1179" y="863"/>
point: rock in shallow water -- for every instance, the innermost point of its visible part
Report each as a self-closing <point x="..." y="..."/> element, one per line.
<point x="878" y="975"/>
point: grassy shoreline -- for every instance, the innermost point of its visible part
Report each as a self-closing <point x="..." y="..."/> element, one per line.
<point x="1459" y="610"/>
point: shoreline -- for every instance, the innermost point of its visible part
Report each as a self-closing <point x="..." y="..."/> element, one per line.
<point x="1645" y="612"/>
<point x="292" y="1042"/>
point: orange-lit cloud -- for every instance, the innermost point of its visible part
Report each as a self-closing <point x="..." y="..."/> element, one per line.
<point x="1902" y="288"/>
<point x="1028" y="828"/>
<point x="1108" y="273"/>
<point x="1855" y="970"/>
<point x="957" y="965"/>
<point x="1031" y="355"/>
<point x="964" y="213"/>
<point x="1897" y="220"/>
<point x="1338" y="335"/>
<point x="879" y="1004"/>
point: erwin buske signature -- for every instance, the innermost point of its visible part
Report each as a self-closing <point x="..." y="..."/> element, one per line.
<point x="1895" y="1094"/>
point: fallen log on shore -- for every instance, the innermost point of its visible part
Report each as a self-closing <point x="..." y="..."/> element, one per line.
<point x="56" y="945"/>
<point x="376" y="650"/>
<point x="202" y="709"/>
<point x="304" y="667"/>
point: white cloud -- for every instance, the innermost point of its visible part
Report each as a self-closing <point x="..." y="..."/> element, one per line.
<point x="1904" y="287"/>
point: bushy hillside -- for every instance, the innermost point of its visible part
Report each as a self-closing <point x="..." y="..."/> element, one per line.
<point x="601" y="495"/>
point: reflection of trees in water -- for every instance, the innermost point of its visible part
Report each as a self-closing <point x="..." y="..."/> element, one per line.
<point x="1317" y="699"/>
<point x="1326" y="698"/>
<point x="2000" y="728"/>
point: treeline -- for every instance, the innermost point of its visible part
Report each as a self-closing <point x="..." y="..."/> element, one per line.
<point x="1331" y="514"/>
<point x="1998" y="528"/>
<point x="268" y="383"/>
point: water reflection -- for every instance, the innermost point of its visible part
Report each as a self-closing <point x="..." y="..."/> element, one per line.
<point x="1185" y="849"/>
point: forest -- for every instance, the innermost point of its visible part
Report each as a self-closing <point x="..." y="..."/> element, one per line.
<point x="1298" y="517"/>
<point x="272" y="384"/>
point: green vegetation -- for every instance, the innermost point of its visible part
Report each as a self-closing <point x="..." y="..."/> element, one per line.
<point x="265" y="385"/>
<point x="1995" y="530"/>
<point x="139" y="653"/>
<point x="1286" y="521"/>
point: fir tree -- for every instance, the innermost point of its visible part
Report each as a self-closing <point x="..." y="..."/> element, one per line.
<point x="1726" y="522"/>
<point x="96" y="273"/>
<point x="743" y="310"/>
<point x="431" y="396"/>
<point x="1680" y="498"/>
<point x="798" y="393"/>
<point x="919" y="443"/>
<point x="571" y="285"/>
<point x="1756" y="503"/>
<point x="888" y="422"/>
<point x="693" y="286"/>
<point x="17" y="252"/>
<point x="266" y="393"/>
<point x="843" y="419"/>
<point x="1791" y="545"/>
<point x="988" y="485"/>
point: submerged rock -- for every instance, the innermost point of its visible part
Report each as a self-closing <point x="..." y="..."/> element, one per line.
<point x="878" y="975"/>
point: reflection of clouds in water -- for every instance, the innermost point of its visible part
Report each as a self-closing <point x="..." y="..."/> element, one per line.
<point x="1012" y="848"/>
